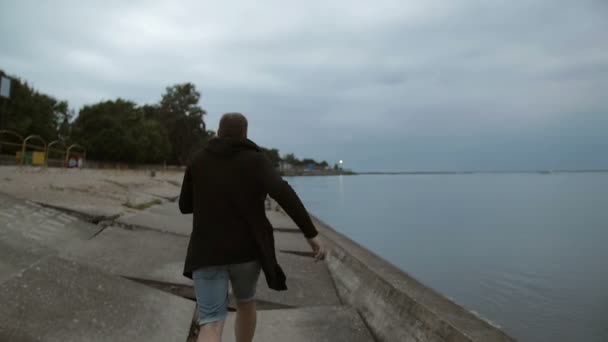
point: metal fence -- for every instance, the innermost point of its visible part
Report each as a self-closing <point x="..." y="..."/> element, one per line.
<point x="34" y="150"/>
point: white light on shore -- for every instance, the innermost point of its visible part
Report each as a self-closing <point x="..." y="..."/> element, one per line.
<point x="341" y="161"/>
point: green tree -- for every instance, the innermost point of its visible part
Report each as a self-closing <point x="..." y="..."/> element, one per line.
<point x="273" y="155"/>
<point x="64" y="127"/>
<point x="153" y="142"/>
<point x="183" y="118"/>
<point x="151" y="112"/>
<point x="307" y="161"/>
<point x="291" y="159"/>
<point x="118" y="131"/>
<point x="31" y="112"/>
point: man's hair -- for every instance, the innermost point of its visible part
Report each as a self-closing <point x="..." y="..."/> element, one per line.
<point x="233" y="125"/>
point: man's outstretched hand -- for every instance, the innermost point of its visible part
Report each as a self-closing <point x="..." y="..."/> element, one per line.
<point x="318" y="250"/>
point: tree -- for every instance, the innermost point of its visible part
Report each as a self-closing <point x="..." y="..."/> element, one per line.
<point x="273" y="155"/>
<point x="291" y="159"/>
<point x="154" y="141"/>
<point x="151" y="112"/>
<point x="182" y="117"/>
<point x="64" y="129"/>
<point x="324" y="164"/>
<point x="308" y="162"/>
<point x="118" y="131"/>
<point x="31" y="112"/>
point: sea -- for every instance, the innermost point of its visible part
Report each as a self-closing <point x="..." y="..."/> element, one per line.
<point x="527" y="251"/>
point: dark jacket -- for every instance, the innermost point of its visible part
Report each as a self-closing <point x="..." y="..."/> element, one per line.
<point x="225" y="186"/>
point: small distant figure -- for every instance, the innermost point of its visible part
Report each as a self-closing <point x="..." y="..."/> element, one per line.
<point x="226" y="186"/>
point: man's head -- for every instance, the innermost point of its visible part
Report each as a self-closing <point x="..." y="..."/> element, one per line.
<point x="233" y="125"/>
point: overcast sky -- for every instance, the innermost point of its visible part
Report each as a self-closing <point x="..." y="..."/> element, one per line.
<point x="384" y="85"/>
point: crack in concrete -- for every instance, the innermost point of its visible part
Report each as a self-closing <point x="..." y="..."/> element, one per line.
<point x="98" y="232"/>
<point x="129" y="226"/>
<point x="174" y="183"/>
<point x="180" y="290"/>
<point x="299" y="253"/>
<point x="166" y="198"/>
<point x="94" y="219"/>
<point x="287" y="230"/>
<point x="187" y="292"/>
<point x="118" y="184"/>
<point x="106" y="221"/>
<point x="262" y="305"/>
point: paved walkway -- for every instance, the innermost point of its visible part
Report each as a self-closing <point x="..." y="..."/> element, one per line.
<point x="49" y="294"/>
<point x="64" y="279"/>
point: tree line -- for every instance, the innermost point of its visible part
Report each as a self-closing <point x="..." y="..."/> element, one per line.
<point x="116" y="130"/>
<point x="120" y="130"/>
<point x="168" y="131"/>
<point x="29" y="111"/>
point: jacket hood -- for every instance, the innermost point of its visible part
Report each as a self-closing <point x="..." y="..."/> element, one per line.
<point x="227" y="147"/>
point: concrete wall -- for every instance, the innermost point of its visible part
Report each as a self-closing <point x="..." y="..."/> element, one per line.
<point x="394" y="305"/>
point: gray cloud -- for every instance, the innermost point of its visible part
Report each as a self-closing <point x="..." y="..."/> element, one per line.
<point x="383" y="85"/>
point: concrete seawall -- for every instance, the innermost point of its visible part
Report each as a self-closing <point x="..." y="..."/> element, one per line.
<point x="394" y="305"/>
<point x="77" y="259"/>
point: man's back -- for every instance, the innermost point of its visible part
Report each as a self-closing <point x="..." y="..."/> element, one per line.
<point x="224" y="177"/>
<point x="225" y="187"/>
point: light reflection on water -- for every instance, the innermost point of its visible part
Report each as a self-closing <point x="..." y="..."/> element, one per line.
<point x="527" y="251"/>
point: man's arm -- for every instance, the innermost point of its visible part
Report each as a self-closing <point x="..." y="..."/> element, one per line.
<point x="185" y="197"/>
<point x="287" y="198"/>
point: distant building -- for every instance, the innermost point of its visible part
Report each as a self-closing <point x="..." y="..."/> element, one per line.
<point x="285" y="166"/>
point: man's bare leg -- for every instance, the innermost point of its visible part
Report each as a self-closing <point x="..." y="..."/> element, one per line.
<point x="211" y="332"/>
<point x="246" y="319"/>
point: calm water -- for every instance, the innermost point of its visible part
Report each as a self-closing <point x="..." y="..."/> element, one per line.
<point x="527" y="251"/>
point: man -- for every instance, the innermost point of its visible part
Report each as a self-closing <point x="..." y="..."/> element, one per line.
<point x="226" y="186"/>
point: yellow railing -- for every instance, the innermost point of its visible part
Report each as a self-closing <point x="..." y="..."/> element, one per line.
<point x="82" y="153"/>
<point x="49" y="149"/>
<point x="37" y="158"/>
<point x="12" y="134"/>
<point x="41" y="151"/>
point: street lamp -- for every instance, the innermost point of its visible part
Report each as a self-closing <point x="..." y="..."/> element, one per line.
<point x="338" y="165"/>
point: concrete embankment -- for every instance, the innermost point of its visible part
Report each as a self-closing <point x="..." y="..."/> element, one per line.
<point x="69" y="272"/>
<point x="72" y="272"/>
<point x="64" y="279"/>
<point x="394" y="305"/>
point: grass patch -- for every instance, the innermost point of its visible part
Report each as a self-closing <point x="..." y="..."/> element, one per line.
<point x="56" y="188"/>
<point x="116" y="183"/>
<point x="174" y="183"/>
<point x="143" y="205"/>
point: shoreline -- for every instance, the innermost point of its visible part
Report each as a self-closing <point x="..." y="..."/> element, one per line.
<point x="438" y="173"/>
<point x="479" y="172"/>
<point x="394" y="305"/>
<point x="318" y="173"/>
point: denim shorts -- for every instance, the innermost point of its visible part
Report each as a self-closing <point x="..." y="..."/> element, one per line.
<point x="211" y="288"/>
